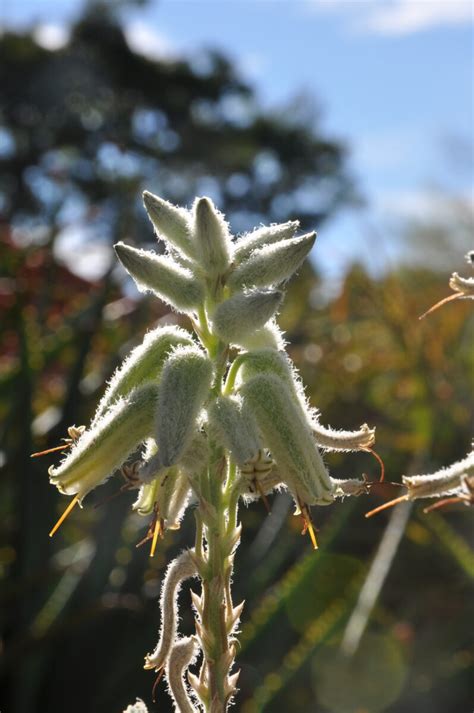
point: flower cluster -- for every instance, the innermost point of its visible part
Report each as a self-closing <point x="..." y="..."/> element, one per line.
<point x="169" y="394"/>
<point x="214" y="417"/>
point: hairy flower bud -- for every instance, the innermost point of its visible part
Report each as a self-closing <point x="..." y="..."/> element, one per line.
<point x="182" y="568"/>
<point x="104" y="447"/>
<point x="211" y="234"/>
<point x="184" y="386"/>
<point x="287" y="434"/>
<point x="266" y="235"/>
<point x="137" y="707"/>
<point x="245" y="312"/>
<point x="446" y="481"/>
<point x="269" y="336"/>
<point x="162" y="276"/>
<point x="170" y="222"/>
<point x="338" y="440"/>
<point x="272" y="264"/>
<point x="234" y="427"/>
<point x="262" y="361"/>
<point x="194" y="458"/>
<point x="143" y="364"/>
<point x="167" y="494"/>
<point x="463" y="285"/>
<point x="350" y="487"/>
<point x="182" y="655"/>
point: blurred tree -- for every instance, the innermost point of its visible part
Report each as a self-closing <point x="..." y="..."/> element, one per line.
<point x="85" y="128"/>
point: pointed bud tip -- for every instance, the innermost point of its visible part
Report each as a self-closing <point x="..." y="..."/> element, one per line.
<point x="150" y="200"/>
<point x="121" y="248"/>
<point x="204" y="203"/>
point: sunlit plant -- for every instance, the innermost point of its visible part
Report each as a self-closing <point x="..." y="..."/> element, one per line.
<point x="216" y="415"/>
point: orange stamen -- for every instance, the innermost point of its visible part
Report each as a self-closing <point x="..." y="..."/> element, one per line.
<point x="156" y="532"/>
<point x="380" y="461"/>
<point x="387" y="505"/>
<point x="51" y="450"/>
<point x="450" y="298"/>
<point x="308" y="525"/>
<point x="64" y="515"/>
<point x="441" y="503"/>
<point x="158" y="679"/>
<point x="312" y="534"/>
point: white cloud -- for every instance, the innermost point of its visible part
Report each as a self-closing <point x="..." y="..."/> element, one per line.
<point x="398" y="17"/>
<point x="51" y="36"/>
<point x="143" y="39"/>
<point x="404" y="17"/>
<point x="423" y="204"/>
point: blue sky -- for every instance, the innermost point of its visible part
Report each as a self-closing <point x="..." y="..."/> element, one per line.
<point x="394" y="80"/>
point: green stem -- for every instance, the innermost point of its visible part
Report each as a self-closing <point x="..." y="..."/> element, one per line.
<point x="216" y="521"/>
<point x="214" y="601"/>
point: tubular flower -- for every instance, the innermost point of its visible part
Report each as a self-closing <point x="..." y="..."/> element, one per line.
<point x="103" y="448"/>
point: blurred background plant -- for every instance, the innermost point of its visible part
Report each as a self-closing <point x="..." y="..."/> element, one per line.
<point x="83" y="129"/>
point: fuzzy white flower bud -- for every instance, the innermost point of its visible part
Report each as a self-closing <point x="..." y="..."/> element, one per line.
<point x="143" y="364"/>
<point x="182" y="568"/>
<point x="245" y="312"/>
<point x="262" y="361"/>
<point x="446" y="481"/>
<point x="234" y="427"/>
<point x="212" y="238"/>
<point x="182" y="655"/>
<point x="338" y="440"/>
<point x="137" y="707"/>
<point x="269" y="336"/>
<point x="171" y="223"/>
<point x="168" y="494"/>
<point x="265" y="235"/>
<point x="105" y="446"/>
<point x="287" y="434"/>
<point x="162" y="276"/>
<point x="184" y="386"/>
<point x="463" y="285"/>
<point x="272" y="264"/>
